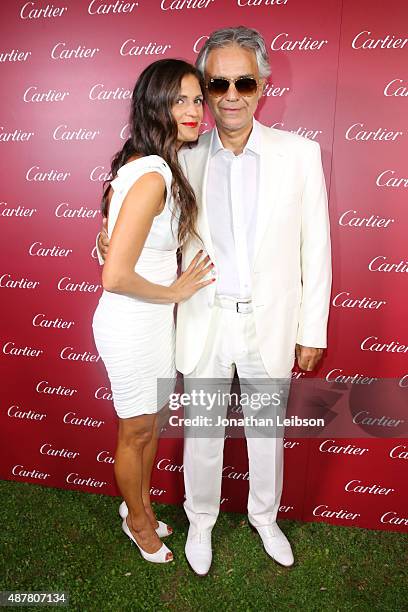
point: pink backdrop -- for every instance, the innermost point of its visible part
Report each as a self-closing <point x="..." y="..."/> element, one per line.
<point x="338" y="76"/>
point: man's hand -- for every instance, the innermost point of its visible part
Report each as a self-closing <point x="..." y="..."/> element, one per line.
<point x="103" y="240"/>
<point x="308" y="357"/>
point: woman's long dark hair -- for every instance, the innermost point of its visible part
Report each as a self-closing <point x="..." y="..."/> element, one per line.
<point x="153" y="131"/>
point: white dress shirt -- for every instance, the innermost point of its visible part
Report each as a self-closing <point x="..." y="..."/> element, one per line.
<point x="232" y="203"/>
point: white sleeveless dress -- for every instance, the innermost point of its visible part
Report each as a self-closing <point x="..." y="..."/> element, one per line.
<point x="136" y="339"/>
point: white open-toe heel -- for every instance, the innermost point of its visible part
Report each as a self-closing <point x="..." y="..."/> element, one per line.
<point x="162" y="530"/>
<point x="157" y="557"/>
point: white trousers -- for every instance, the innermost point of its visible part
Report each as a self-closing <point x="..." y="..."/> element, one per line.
<point x="231" y="343"/>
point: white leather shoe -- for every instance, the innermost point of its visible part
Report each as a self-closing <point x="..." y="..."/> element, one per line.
<point x="276" y="544"/>
<point x="198" y="551"/>
<point x="160" y="556"/>
<point x="162" y="530"/>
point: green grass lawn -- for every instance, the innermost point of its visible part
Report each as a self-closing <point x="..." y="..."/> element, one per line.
<point x="52" y="539"/>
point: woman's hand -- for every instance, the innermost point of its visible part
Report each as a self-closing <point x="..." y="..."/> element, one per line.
<point x="190" y="281"/>
<point x="103" y="239"/>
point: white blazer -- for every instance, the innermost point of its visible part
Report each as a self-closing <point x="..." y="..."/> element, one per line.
<point x="291" y="276"/>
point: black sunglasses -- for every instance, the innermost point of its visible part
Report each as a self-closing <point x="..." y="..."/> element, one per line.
<point x="246" y="86"/>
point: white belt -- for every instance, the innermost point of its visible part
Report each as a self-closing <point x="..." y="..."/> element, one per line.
<point x="243" y="306"/>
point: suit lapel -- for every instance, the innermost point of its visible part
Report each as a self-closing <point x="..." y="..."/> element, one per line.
<point x="271" y="178"/>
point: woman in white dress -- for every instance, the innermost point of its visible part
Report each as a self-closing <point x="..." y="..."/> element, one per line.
<point x="151" y="212"/>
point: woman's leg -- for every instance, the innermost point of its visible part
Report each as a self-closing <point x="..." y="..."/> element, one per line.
<point x="133" y="436"/>
<point x="149" y="454"/>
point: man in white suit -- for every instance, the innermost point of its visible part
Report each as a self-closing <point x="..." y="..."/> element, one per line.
<point x="263" y="220"/>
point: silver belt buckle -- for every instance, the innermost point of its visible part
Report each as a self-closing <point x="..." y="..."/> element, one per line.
<point x="243" y="305"/>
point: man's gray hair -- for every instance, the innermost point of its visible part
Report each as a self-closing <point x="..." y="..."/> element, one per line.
<point x="241" y="36"/>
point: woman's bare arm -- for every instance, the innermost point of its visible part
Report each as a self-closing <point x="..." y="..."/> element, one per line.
<point x="143" y="202"/>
